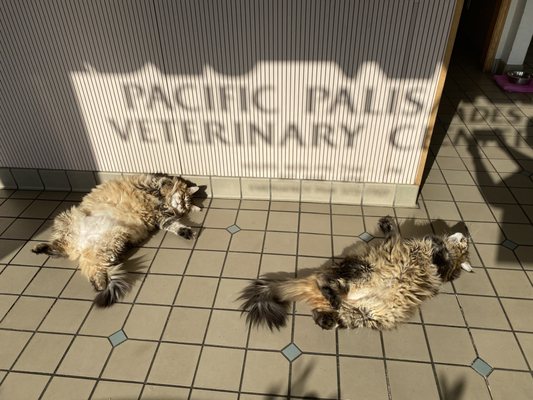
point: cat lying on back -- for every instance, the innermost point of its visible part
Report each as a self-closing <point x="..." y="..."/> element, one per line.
<point x="115" y="215"/>
<point x="378" y="287"/>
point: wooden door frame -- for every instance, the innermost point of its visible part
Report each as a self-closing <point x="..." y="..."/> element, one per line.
<point x="438" y="92"/>
<point x="495" y="32"/>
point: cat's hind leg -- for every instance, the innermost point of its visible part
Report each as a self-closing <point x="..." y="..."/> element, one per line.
<point x="173" y="225"/>
<point x="52" y="249"/>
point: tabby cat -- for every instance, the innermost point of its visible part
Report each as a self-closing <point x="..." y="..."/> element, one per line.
<point x="379" y="287"/>
<point x="113" y="216"/>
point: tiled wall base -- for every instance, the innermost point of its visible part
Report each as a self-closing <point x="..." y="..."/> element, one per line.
<point x="382" y="194"/>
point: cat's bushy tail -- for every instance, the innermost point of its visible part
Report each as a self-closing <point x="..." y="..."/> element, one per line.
<point x="118" y="285"/>
<point x="267" y="302"/>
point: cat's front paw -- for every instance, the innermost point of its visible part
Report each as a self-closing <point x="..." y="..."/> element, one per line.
<point x="325" y="319"/>
<point x="186" y="233"/>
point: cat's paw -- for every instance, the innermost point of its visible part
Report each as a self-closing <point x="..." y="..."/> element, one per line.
<point x="325" y="319"/>
<point x="186" y="233"/>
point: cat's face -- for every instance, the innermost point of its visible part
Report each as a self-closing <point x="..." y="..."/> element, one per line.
<point x="457" y="247"/>
<point x="182" y="200"/>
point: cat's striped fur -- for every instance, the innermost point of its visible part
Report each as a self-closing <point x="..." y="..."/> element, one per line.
<point x="113" y="216"/>
<point x="379" y="287"/>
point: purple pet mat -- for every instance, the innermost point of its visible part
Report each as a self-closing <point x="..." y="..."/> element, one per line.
<point x="504" y="83"/>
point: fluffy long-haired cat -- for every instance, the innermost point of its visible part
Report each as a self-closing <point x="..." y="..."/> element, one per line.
<point x="379" y="287"/>
<point x="113" y="216"/>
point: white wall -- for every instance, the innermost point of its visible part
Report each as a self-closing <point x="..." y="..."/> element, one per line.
<point x="517" y="33"/>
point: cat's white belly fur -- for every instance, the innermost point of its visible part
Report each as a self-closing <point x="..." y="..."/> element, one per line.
<point x="95" y="228"/>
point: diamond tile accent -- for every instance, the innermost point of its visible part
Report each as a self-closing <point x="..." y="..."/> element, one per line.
<point x="526" y="173"/>
<point x="117" y="338"/>
<point x="367" y="237"/>
<point x="509" y="244"/>
<point x="481" y="367"/>
<point x="233" y="229"/>
<point x="291" y="352"/>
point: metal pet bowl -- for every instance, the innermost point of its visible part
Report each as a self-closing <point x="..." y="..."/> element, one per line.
<point x="519" y="77"/>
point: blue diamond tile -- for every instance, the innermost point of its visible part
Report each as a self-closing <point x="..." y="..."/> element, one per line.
<point x="291" y="352"/>
<point x="509" y="244"/>
<point x="481" y="367"/>
<point x="233" y="229"/>
<point x="367" y="237"/>
<point x="117" y="338"/>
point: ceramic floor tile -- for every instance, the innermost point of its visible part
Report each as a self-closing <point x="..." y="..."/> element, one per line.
<point x="284" y="206"/>
<point x="241" y="265"/>
<point x="220" y="218"/>
<point x="62" y="388"/>
<point x="483" y="312"/>
<point x="86" y="357"/>
<point x="11" y="345"/>
<point x="49" y="282"/>
<point x="511" y="283"/>
<point x="254" y="205"/>
<point x="519" y="312"/>
<point x="312" y="376"/>
<point x="469" y="194"/>
<point x="146" y="322"/>
<point x="280" y="243"/>
<point x="6" y="302"/>
<point x="40" y="209"/>
<point x="366" y="371"/>
<point x="159" y="289"/>
<point x="406" y="343"/>
<point x="461" y="382"/>
<point x="15" y="279"/>
<point x="450" y="345"/>
<point x="432" y="191"/>
<point x="360" y="342"/>
<point x="197" y="291"/>
<point x="283" y="221"/>
<point x="315" y="223"/>
<point x="525" y="255"/>
<point x="411" y="381"/>
<point x="26" y="257"/>
<point x="43" y="353"/>
<point x="263" y="338"/>
<point x="137" y="355"/>
<point x="22" y="229"/>
<point x="499" y="349"/>
<point x="224" y="203"/>
<point x="249" y="241"/>
<point x="78" y="288"/>
<point x="219" y="368"/>
<point x="173" y="241"/>
<point x="273" y="264"/>
<point x="228" y="293"/>
<point x="519" y="233"/>
<point x="486" y="232"/>
<point x="19" y="386"/>
<point x="65" y="316"/>
<point x="249" y="219"/>
<point x="156" y="392"/>
<point x="227" y="328"/>
<point x="496" y="256"/>
<point x="308" y="338"/>
<point x="521" y="388"/>
<point x="213" y="239"/>
<point x="442" y="310"/>
<point x="347" y="225"/>
<point x="207" y="263"/>
<point x="442" y="210"/>
<point x="174" y="364"/>
<point x="27" y="313"/>
<point x="346" y="209"/>
<point x="314" y="245"/>
<point x="508" y="213"/>
<point x="9" y="249"/>
<point x="526" y="342"/>
<point x="170" y="261"/>
<point x="199" y="394"/>
<point x="475" y="212"/>
<point x="255" y="380"/>
<point x="105" y="321"/>
<point x="186" y="325"/>
<point x="13" y="207"/>
<point x="106" y="390"/>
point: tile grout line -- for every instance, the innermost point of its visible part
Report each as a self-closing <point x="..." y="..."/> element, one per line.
<point x="333" y="256"/>
<point x="249" y="324"/>
<point x="213" y="303"/>
<point x="171" y="306"/>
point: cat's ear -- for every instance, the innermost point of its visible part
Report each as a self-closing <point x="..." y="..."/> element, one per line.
<point x="195" y="208"/>
<point x="466" y="266"/>
<point x="193" y="189"/>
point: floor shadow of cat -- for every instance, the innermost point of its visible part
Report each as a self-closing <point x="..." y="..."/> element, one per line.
<point x="452" y="390"/>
